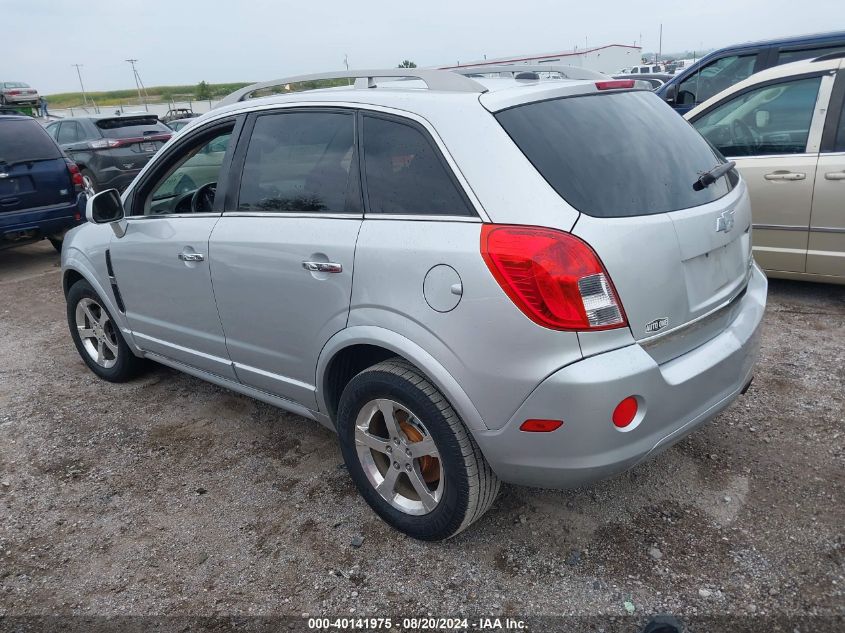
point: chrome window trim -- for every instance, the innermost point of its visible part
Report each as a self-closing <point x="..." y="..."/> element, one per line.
<point x="421" y="217"/>
<point x="130" y="218"/>
<point x="292" y="214"/>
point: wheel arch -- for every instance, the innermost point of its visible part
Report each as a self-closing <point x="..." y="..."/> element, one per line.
<point x="353" y="349"/>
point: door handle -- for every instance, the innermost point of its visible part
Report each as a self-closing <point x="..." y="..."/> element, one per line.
<point x="191" y="257"/>
<point x="835" y="175"/>
<point x="322" y="267"/>
<point x="788" y="175"/>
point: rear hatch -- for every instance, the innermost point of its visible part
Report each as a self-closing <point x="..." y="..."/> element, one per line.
<point x="33" y="171"/>
<point x="679" y="255"/>
<point x="134" y="138"/>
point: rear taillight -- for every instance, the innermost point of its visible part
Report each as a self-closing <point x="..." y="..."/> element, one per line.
<point x="110" y="143"/>
<point x="14" y="92"/>
<point x="553" y="277"/>
<point x="615" y="84"/>
<point x="75" y="176"/>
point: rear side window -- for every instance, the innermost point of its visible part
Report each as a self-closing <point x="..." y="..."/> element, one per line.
<point x="135" y="127"/>
<point x="615" y="154"/>
<point x="405" y="173"/>
<point x="785" y="57"/>
<point x="25" y="140"/>
<point x="301" y="162"/>
<point x="840" y="133"/>
<point x="69" y="132"/>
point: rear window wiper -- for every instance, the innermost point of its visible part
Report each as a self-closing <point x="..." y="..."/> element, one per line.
<point x="709" y="177"/>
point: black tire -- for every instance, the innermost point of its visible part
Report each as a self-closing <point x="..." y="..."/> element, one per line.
<point x="470" y="485"/>
<point x="126" y="365"/>
<point x="87" y="174"/>
<point x="56" y="242"/>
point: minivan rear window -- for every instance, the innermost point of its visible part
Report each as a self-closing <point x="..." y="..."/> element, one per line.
<point x="23" y="140"/>
<point x="125" y="127"/>
<point x="615" y="154"/>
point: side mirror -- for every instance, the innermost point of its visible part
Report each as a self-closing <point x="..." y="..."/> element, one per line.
<point x="106" y="207"/>
<point x="761" y="119"/>
<point x="671" y="93"/>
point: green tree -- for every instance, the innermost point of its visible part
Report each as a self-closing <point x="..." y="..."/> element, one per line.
<point x="407" y="63"/>
<point x="203" y="91"/>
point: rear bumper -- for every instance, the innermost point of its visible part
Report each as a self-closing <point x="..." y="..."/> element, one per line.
<point x="676" y="397"/>
<point x="22" y="99"/>
<point x="42" y="221"/>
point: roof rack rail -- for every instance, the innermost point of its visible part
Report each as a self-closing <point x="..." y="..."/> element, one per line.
<point x="569" y="72"/>
<point x="829" y="56"/>
<point x="434" y="79"/>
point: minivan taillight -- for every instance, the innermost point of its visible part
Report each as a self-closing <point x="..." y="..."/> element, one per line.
<point x="75" y="176"/>
<point x="555" y="278"/>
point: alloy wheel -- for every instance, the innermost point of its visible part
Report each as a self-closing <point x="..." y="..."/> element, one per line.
<point x="399" y="457"/>
<point x="97" y="332"/>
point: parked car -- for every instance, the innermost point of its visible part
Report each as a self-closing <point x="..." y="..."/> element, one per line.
<point x="40" y="189"/>
<point x="17" y="93"/>
<point x="174" y="114"/>
<point x="785" y="128"/>
<point x="722" y="69"/>
<point x="512" y="318"/>
<point x="178" y="124"/>
<point x="110" y="150"/>
<point x="655" y="81"/>
<point x="646" y="69"/>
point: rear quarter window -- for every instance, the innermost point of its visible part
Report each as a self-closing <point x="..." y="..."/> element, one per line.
<point x="615" y="154"/>
<point x="25" y="140"/>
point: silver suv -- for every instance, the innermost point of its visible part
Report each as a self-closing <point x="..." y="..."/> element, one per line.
<point x="472" y="279"/>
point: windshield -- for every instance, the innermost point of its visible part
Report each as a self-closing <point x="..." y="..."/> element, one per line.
<point x="616" y="154"/>
<point x="23" y="140"/>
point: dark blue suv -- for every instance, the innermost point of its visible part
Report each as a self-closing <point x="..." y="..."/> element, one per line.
<point x="723" y="68"/>
<point x="41" y="190"/>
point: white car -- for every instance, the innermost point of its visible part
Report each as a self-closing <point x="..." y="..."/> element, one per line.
<point x="785" y="129"/>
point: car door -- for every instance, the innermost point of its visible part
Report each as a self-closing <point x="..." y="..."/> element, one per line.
<point x="772" y="131"/>
<point x="283" y="252"/>
<point x="826" y="249"/>
<point x="161" y="264"/>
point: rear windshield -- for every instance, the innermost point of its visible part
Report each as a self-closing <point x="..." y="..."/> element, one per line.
<point x="23" y="140"/>
<point x="130" y="128"/>
<point x="615" y="154"/>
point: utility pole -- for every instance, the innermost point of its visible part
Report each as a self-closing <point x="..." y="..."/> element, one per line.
<point x="346" y="60"/>
<point x="660" y="46"/>
<point x="138" y="83"/>
<point x="79" y="74"/>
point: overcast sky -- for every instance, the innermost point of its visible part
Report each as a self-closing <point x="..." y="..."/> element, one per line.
<point x="185" y="41"/>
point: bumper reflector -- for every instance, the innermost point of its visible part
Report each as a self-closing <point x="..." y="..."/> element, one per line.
<point x="540" y="426"/>
<point x="625" y="412"/>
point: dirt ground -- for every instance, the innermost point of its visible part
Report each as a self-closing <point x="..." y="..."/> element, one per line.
<point x="169" y="496"/>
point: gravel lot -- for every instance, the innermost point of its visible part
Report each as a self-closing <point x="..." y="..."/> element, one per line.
<point x="169" y="496"/>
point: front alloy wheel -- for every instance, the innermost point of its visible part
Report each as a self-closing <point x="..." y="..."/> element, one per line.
<point x="97" y="333"/>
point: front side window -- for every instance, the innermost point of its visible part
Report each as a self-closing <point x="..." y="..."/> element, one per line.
<point x="773" y="119"/>
<point x="405" y="173"/>
<point x="190" y="184"/>
<point x="715" y="77"/>
<point x="301" y="162"/>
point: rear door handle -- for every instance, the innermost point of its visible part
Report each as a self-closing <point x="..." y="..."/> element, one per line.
<point x="788" y="175"/>
<point x="322" y="267"/>
<point x="191" y="257"/>
<point x="835" y="175"/>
